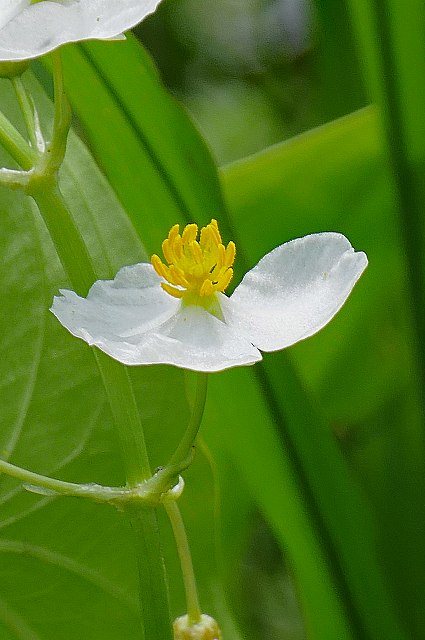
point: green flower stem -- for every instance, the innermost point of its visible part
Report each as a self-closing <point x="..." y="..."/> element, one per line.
<point x="153" y="596"/>
<point x="192" y="600"/>
<point x="192" y="429"/>
<point x="65" y="235"/>
<point x="37" y="483"/>
<point x="16" y="145"/>
<point x="124" y="409"/>
<point x="77" y="263"/>
<point x="27" y="109"/>
<point x="62" y="117"/>
<point x="35" y="479"/>
<point x="153" y="591"/>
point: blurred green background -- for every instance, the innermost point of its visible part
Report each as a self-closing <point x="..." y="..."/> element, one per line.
<point x="255" y="72"/>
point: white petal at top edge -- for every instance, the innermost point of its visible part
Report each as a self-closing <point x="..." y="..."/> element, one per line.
<point x="44" y="26"/>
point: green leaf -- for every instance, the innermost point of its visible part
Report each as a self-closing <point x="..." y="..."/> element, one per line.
<point x="391" y="44"/>
<point x="340" y="92"/>
<point x="76" y="559"/>
<point x="389" y="40"/>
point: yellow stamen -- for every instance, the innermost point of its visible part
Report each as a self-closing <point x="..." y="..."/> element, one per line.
<point x="176" y="293"/>
<point x="230" y="254"/>
<point x="167" y="251"/>
<point x="189" y="233"/>
<point x="224" y="280"/>
<point x="199" y="265"/>
<point x="197" y="252"/>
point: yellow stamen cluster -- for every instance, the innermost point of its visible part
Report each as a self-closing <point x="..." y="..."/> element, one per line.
<point x="199" y="264"/>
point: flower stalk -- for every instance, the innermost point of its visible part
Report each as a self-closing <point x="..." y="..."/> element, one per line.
<point x="62" y="117"/>
<point x="192" y="601"/>
<point x="27" y="109"/>
<point x="121" y="398"/>
<point x="154" y="604"/>
<point x="65" y="234"/>
<point x="189" y="436"/>
<point x="16" y="145"/>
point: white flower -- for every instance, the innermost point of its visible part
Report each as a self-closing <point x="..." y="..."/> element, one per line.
<point x="29" y="30"/>
<point x="179" y="315"/>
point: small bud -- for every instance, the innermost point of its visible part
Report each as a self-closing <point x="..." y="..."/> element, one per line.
<point x="205" y="629"/>
<point x="13" y="69"/>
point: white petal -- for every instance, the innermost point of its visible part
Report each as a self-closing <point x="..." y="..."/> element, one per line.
<point x="191" y="339"/>
<point x="44" y="26"/>
<point x="294" y="290"/>
<point x="118" y="309"/>
<point x="134" y="321"/>
<point x="10" y="8"/>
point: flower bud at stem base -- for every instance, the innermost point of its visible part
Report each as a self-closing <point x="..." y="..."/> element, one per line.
<point x="206" y="629"/>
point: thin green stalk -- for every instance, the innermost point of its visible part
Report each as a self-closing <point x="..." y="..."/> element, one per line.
<point x="16" y="145"/>
<point x="183" y="549"/>
<point x="78" y="265"/>
<point x="153" y="591"/>
<point x="27" y="109"/>
<point x="192" y="429"/>
<point x="62" y="116"/>
<point x="46" y="483"/>
<point x="13" y="179"/>
<point x="126" y="414"/>
<point x="65" y="234"/>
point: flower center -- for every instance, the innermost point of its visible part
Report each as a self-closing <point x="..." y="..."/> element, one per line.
<point x="199" y="264"/>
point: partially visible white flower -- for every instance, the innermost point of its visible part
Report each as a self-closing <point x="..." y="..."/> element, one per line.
<point x="179" y="315"/>
<point x="30" y="30"/>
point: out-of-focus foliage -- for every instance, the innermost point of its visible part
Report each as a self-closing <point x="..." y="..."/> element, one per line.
<point x="255" y="72"/>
